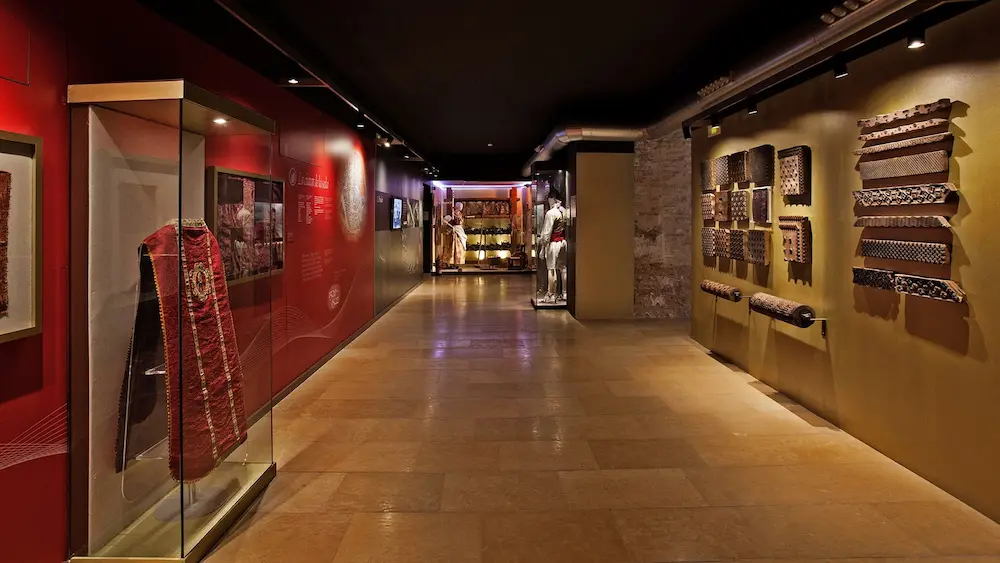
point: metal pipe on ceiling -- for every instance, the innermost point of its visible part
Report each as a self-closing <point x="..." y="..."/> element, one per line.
<point x="854" y="28"/>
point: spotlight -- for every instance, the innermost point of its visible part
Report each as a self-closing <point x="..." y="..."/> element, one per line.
<point x="384" y="141"/>
<point x="360" y="125"/>
<point x="752" y="108"/>
<point x="716" y="126"/>
<point x="219" y="121"/>
<point x="915" y="39"/>
<point x="839" y="70"/>
<point x="293" y="80"/>
<point x="406" y="156"/>
<point x="489" y="145"/>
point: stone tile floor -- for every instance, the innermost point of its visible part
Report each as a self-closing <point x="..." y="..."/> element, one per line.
<point x="464" y="427"/>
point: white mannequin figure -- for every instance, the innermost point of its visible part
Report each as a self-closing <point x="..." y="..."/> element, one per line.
<point x="554" y="245"/>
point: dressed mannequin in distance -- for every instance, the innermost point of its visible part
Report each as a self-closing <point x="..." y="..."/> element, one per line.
<point x="554" y="245"/>
<point x="456" y="245"/>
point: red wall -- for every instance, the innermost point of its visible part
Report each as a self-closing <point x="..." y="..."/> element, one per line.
<point x="118" y="40"/>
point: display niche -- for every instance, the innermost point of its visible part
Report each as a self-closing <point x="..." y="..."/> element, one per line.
<point x="169" y="354"/>
<point x="552" y="239"/>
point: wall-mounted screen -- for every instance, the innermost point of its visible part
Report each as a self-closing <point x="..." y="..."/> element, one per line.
<point x="397" y="213"/>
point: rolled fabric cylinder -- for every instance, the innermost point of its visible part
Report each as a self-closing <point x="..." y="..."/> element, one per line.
<point x="722" y="290"/>
<point x="784" y="310"/>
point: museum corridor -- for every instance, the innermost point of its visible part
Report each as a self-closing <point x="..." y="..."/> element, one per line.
<point x="465" y="427"/>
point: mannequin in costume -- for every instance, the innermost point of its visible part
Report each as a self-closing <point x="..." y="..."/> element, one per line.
<point x="554" y="245"/>
<point x="455" y="247"/>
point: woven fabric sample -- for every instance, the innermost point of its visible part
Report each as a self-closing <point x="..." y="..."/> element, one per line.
<point x="722" y="243"/>
<point x="910" y="165"/>
<point x="762" y="205"/>
<point x="910" y="128"/>
<point x="708" y="241"/>
<point x="873" y="277"/>
<point x="4" y="227"/>
<point x="795" y="166"/>
<point x="904" y="144"/>
<point x="759" y="246"/>
<point x="905" y="221"/>
<point x="904" y="195"/>
<point x="760" y="165"/>
<point x="738" y="167"/>
<point x="708" y="206"/>
<point x="739" y="205"/>
<point x="722" y="290"/>
<point x="720" y="171"/>
<point x="932" y="288"/>
<point x="738" y="245"/>
<point x="922" y="109"/>
<point x="796" y="238"/>
<point x="783" y="310"/>
<point x="928" y="252"/>
<point x="722" y="206"/>
<point x="706" y="176"/>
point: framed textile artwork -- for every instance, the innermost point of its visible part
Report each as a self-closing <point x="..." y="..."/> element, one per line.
<point x="708" y="206"/>
<point x="708" y="241"/>
<point x="796" y="170"/>
<point x="246" y="212"/>
<point x="722" y="206"/>
<point x="796" y="236"/>
<point x="760" y="165"/>
<point x="738" y="167"/>
<point x="909" y="165"/>
<point x="761" y="205"/>
<point x="739" y="205"/>
<point x="20" y="236"/>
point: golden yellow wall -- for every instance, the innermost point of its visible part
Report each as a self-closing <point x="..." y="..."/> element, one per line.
<point x="604" y="225"/>
<point x="915" y="378"/>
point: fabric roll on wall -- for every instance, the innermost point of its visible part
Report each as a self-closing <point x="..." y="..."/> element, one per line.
<point x="784" y="310"/>
<point x="722" y="290"/>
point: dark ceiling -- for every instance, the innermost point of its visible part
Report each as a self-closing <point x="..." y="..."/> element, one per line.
<point x="452" y="76"/>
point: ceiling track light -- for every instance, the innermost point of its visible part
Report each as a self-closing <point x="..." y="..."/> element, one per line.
<point x="293" y="80"/>
<point x="752" y="108"/>
<point x="916" y="39"/>
<point x="839" y="69"/>
<point x="715" y="126"/>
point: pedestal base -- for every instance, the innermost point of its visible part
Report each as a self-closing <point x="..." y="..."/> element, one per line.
<point x="539" y="304"/>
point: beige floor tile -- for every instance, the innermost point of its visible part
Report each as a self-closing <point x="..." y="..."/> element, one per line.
<point x="472" y="408"/>
<point x="510" y="390"/>
<point x="644" y="454"/>
<point x="380" y="456"/>
<point x="946" y="528"/>
<point x="412" y="538"/>
<point x="311" y="456"/>
<point x="388" y="492"/>
<point x="681" y="534"/>
<point x="575" y="388"/>
<point x="300" y="492"/>
<point x="529" y="428"/>
<point x="414" y="430"/>
<point x="622" y="405"/>
<point x="365" y="408"/>
<point x="308" y="429"/>
<point x="499" y="492"/>
<point x="552" y="537"/>
<point x="800" y="449"/>
<point x="545" y="456"/>
<point x="629" y="488"/>
<point x="282" y="538"/>
<point x="448" y="456"/>
<point x="549" y="407"/>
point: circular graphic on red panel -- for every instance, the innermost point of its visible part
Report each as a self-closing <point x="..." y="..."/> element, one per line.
<point x="333" y="297"/>
<point x="353" y="194"/>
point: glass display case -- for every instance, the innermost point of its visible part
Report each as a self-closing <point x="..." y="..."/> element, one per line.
<point x="174" y="237"/>
<point x="551" y="239"/>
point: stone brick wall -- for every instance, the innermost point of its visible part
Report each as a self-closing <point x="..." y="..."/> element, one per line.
<point x="663" y="227"/>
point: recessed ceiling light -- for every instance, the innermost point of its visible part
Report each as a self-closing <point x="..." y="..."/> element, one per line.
<point x="489" y="144"/>
<point x="361" y="125"/>
<point x="293" y="80"/>
<point x="219" y="121"/>
<point x="752" y="108"/>
<point x="406" y="156"/>
<point x="915" y="40"/>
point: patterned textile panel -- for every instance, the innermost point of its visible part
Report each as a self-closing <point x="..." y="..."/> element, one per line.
<point x="5" y="187"/>
<point x="739" y="205"/>
<point x="796" y="172"/>
<point x="738" y="167"/>
<point x="720" y="171"/>
<point x="904" y="195"/>
<point x="722" y="290"/>
<point x="910" y="165"/>
<point x="738" y="245"/>
<point x="796" y="238"/>
<point x="707" y="184"/>
<point x="922" y="109"/>
<point x="760" y="165"/>
<point x="903" y="221"/>
<point x="910" y="251"/>
<point x="708" y="206"/>
<point x="722" y="243"/>
<point x="783" y="310"/>
<point x="904" y="144"/>
<point x="912" y="127"/>
<point x="762" y="205"/>
<point x="931" y="288"/>
<point x="759" y="246"/>
<point x="722" y="206"/>
<point x="708" y="241"/>
<point x="873" y="277"/>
